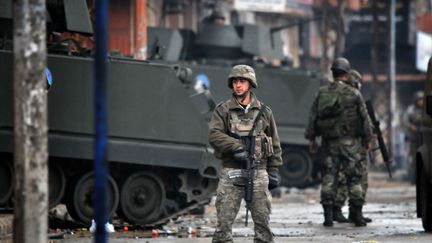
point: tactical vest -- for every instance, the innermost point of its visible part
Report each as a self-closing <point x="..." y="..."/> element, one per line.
<point x="242" y="127"/>
<point x="337" y="114"/>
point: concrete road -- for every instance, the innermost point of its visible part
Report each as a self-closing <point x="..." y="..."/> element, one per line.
<point x="297" y="217"/>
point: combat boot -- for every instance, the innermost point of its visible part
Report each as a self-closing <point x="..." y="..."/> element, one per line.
<point x="338" y="215"/>
<point x="350" y="218"/>
<point x="366" y="219"/>
<point x="328" y="215"/>
<point x="356" y="216"/>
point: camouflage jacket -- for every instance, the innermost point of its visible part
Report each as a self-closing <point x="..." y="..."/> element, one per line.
<point x="412" y="117"/>
<point x="225" y="143"/>
<point x="354" y="117"/>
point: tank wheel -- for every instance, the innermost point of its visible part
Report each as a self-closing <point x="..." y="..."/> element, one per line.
<point x="6" y="180"/>
<point x="142" y="197"/>
<point x="196" y="187"/>
<point x="57" y="184"/>
<point x="80" y="199"/>
<point x="297" y="168"/>
<point x="426" y="201"/>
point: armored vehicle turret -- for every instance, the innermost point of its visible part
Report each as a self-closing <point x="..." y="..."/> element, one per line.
<point x="159" y="159"/>
<point x="215" y="48"/>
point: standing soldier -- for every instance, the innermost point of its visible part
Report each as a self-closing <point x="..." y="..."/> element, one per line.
<point x="411" y="121"/>
<point x="339" y="116"/>
<point x="355" y="80"/>
<point x="232" y="120"/>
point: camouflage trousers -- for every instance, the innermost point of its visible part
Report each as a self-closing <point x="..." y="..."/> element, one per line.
<point x="342" y="187"/>
<point x="228" y="200"/>
<point x="342" y="158"/>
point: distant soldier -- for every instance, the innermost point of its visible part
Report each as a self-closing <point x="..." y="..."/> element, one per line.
<point x="356" y="81"/>
<point x="338" y="115"/>
<point x="411" y="121"/>
<point x="232" y="120"/>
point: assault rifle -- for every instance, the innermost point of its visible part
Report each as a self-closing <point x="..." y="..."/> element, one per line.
<point x="250" y="168"/>
<point x="381" y="145"/>
<point x="249" y="141"/>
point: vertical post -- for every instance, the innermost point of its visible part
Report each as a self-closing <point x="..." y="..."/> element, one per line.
<point x="100" y="121"/>
<point x="324" y="64"/>
<point x="374" y="49"/>
<point x="30" y="123"/>
<point x="140" y="32"/>
<point x="392" y="73"/>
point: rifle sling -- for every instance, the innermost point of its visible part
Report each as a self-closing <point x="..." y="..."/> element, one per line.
<point x="258" y="117"/>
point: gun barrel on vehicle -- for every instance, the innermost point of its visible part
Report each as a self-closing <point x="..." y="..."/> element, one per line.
<point x="295" y="23"/>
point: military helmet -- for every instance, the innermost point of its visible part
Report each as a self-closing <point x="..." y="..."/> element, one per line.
<point x="355" y="78"/>
<point x="418" y="95"/>
<point x="341" y="64"/>
<point x="242" y="71"/>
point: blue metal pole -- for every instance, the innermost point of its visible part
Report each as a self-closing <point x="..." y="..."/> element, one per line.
<point x="100" y="121"/>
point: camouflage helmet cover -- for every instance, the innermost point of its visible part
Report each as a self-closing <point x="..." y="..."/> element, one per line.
<point x="341" y="64"/>
<point x="355" y="76"/>
<point x="242" y="71"/>
<point x="418" y="95"/>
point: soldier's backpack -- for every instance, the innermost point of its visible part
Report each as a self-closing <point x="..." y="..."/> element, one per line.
<point x="329" y="111"/>
<point x="329" y="103"/>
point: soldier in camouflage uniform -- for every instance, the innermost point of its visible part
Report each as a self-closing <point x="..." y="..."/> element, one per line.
<point x="338" y="115"/>
<point x="231" y="120"/>
<point x="411" y="122"/>
<point x="355" y="80"/>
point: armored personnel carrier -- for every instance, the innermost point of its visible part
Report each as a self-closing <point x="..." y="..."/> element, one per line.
<point x="215" y="48"/>
<point x="159" y="160"/>
<point x="424" y="159"/>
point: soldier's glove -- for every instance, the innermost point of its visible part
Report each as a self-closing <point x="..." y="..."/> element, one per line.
<point x="240" y="154"/>
<point x="274" y="177"/>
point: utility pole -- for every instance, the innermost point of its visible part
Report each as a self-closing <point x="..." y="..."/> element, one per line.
<point x="100" y="121"/>
<point x="392" y="72"/>
<point x="30" y="125"/>
<point x="374" y="49"/>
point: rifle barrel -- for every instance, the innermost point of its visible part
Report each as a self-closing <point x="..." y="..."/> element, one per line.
<point x="377" y="130"/>
<point x="249" y="141"/>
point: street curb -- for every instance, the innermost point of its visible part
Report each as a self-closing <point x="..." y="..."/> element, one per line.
<point x="6" y="222"/>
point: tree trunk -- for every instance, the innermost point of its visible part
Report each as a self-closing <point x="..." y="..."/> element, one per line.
<point x="140" y="30"/>
<point x="340" y="29"/>
<point x="30" y="125"/>
<point x="324" y="37"/>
